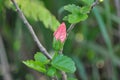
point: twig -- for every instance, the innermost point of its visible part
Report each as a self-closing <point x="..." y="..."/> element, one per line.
<point x="64" y="75"/>
<point x="70" y="28"/>
<point x="4" y="62"/>
<point x="95" y="3"/>
<point x="42" y="49"/>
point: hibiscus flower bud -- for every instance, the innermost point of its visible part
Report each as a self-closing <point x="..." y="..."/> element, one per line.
<point x="60" y="33"/>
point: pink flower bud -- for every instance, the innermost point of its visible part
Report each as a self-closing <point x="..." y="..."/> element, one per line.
<point x="60" y="33"/>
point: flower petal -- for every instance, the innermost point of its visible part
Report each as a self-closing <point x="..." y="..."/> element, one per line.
<point x="60" y="33"/>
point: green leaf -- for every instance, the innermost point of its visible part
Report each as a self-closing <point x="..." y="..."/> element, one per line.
<point x="85" y="9"/>
<point x="41" y="58"/>
<point x="51" y="71"/>
<point x="36" y="10"/>
<point x="63" y="63"/>
<point x="77" y="13"/>
<point x="75" y="18"/>
<point x="88" y="2"/>
<point x="72" y="8"/>
<point x="35" y="65"/>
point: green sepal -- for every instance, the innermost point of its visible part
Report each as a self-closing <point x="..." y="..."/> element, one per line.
<point x="57" y="45"/>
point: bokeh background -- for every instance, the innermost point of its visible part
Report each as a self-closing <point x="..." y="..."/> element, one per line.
<point x="94" y="44"/>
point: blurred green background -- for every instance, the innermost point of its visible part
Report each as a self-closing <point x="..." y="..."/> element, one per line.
<point x="94" y="44"/>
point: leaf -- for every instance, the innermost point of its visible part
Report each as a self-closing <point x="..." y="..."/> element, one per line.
<point x="72" y="8"/>
<point x="35" y="65"/>
<point x="75" y="18"/>
<point x="88" y="2"/>
<point x="51" y="71"/>
<point x="85" y="9"/>
<point x="41" y="58"/>
<point x="36" y="10"/>
<point x="77" y="13"/>
<point x="63" y="63"/>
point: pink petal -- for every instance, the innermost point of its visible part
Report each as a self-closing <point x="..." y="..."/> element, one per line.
<point x="60" y="33"/>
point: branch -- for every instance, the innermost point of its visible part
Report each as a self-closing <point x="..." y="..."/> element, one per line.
<point x="64" y="75"/>
<point x="95" y="3"/>
<point x="70" y="28"/>
<point x="42" y="49"/>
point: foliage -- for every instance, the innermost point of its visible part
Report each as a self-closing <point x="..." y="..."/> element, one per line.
<point x="93" y="44"/>
<point x="41" y="58"/>
<point x="59" y="62"/>
<point x="77" y="15"/>
<point x="88" y="2"/>
<point x="63" y="63"/>
<point x="37" y="11"/>
<point x="37" y="65"/>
